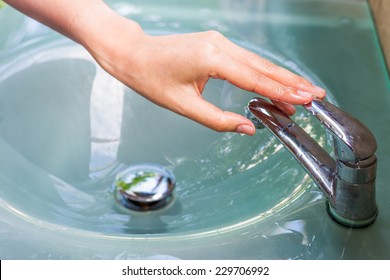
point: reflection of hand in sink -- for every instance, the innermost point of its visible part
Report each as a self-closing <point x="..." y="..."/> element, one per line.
<point x="187" y="61"/>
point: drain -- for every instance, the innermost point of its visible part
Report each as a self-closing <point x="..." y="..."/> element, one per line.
<point x="144" y="187"/>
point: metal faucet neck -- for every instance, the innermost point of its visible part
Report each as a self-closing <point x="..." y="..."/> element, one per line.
<point x="348" y="181"/>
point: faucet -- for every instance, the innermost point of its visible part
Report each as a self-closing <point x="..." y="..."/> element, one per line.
<point x="348" y="181"/>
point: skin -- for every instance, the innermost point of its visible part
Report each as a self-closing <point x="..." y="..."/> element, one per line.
<point x="172" y="70"/>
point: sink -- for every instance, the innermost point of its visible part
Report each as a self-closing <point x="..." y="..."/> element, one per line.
<point x="67" y="129"/>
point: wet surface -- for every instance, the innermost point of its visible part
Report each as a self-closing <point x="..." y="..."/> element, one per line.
<point x="67" y="128"/>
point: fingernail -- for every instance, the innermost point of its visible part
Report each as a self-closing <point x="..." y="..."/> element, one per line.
<point x="320" y="90"/>
<point x="305" y="94"/>
<point x="245" y="129"/>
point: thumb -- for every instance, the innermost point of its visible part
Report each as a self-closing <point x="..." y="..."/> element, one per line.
<point x="213" y="117"/>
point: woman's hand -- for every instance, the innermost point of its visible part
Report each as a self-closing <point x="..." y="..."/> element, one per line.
<point x="172" y="70"/>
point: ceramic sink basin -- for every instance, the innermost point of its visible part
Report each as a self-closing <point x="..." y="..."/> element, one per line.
<point x="67" y="128"/>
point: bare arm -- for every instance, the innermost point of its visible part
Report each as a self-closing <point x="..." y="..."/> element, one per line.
<point x="173" y="70"/>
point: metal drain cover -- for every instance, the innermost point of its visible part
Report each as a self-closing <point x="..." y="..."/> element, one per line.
<point x="144" y="187"/>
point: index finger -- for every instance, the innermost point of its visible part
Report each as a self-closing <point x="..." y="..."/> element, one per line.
<point x="225" y="67"/>
<point x="266" y="67"/>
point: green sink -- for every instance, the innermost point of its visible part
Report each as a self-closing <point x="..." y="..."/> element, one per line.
<point x="67" y="128"/>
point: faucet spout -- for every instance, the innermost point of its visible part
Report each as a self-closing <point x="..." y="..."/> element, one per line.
<point x="348" y="181"/>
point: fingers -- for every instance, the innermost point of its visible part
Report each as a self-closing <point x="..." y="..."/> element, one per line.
<point x="225" y="67"/>
<point x="284" y="76"/>
<point x="267" y="68"/>
<point x="278" y="73"/>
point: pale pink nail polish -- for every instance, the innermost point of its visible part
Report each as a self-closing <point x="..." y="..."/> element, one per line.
<point x="304" y="94"/>
<point x="320" y="90"/>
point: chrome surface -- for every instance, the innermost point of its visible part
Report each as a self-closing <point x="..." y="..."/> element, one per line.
<point x="348" y="181"/>
<point x="144" y="187"/>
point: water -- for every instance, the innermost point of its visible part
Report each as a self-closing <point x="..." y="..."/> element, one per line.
<point x="111" y="127"/>
<point x="236" y="197"/>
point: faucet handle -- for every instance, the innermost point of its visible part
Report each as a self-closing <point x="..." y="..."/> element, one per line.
<point x="354" y="142"/>
<point x="349" y="181"/>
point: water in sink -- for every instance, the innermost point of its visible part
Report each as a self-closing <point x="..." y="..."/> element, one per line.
<point x="67" y="128"/>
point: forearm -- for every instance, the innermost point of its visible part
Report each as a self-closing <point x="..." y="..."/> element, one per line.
<point x="86" y="21"/>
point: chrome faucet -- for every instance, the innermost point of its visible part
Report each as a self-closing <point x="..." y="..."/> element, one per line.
<point x="348" y="181"/>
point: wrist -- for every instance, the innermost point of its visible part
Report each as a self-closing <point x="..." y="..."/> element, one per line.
<point x="104" y="33"/>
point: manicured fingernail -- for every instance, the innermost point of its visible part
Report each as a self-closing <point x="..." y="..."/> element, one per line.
<point x="320" y="90"/>
<point x="245" y="129"/>
<point x="304" y="94"/>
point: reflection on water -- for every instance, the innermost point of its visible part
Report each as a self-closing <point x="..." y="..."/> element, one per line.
<point x="105" y="120"/>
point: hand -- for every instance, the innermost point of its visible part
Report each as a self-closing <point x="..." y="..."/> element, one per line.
<point x="173" y="70"/>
